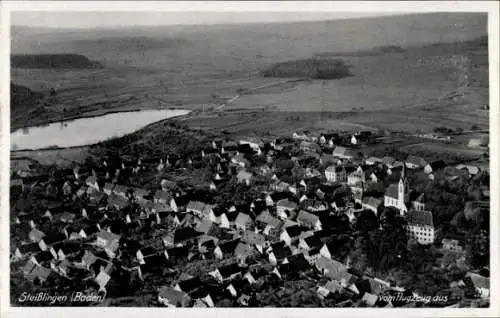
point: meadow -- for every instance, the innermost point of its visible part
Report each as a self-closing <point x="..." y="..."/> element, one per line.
<point x="196" y="67"/>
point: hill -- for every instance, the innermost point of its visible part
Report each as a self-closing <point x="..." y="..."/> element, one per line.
<point x="26" y="103"/>
<point x="195" y="66"/>
<point x="21" y="96"/>
<point x="52" y="61"/>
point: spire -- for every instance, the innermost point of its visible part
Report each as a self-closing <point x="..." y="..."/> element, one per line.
<point x="403" y="172"/>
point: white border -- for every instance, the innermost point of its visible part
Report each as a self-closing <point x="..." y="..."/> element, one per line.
<point x="492" y="7"/>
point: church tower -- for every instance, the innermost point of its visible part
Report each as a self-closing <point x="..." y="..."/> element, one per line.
<point x="402" y="190"/>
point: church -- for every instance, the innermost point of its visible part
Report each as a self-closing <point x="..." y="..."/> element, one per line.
<point x="400" y="196"/>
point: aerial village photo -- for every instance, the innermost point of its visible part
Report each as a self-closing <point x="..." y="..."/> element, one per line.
<point x="265" y="159"/>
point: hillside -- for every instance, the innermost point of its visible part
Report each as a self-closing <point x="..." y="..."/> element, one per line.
<point x="21" y="96"/>
<point x="25" y="104"/>
<point x="52" y="61"/>
<point x="396" y="61"/>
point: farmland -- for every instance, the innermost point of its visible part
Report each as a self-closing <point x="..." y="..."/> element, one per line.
<point x="192" y="66"/>
<point x="414" y="78"/>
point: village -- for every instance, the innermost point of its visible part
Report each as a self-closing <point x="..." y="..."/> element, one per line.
<point x="294" y="221"/>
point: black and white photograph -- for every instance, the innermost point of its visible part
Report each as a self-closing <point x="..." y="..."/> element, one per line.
<point x="250" y="159"/>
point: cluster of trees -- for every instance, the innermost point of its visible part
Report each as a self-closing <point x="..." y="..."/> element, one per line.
<point x="381" y="245"/>
<point x="445" y="130"/>
<point x="314" y="68"/>
<point x="52" y="61"/>
<point x="293" y="118"/>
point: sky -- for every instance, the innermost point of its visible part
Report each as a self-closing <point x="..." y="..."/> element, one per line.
<point x="105" y="19"/>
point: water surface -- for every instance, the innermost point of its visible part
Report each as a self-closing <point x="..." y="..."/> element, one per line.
<point x="87" y="131"/>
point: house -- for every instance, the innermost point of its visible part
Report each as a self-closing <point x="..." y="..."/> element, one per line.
<point x="243" y="221"/>
<point x="243" y="251"/>
<point x="278" y="252"/>
<point x="279" y="186"/>
<point x="164" y="197"/>
<point x="371" y="203"/>
<point x="170" y="297"/>
<point x="89" y="231"/>
<point x="47" y="241"/>
<point x="67" y="217"/>
<point x="226" y="249"/>
<point x="312" y="254"/>
<point x="291" y="234"/>
<point x="226" y="273"/>
<point x="254" y="143"/>
<point x="473" y="170"/>
<point x="110" y="242"/>
<point x="176" y="253"/>
<point x="38" y="274"/>
<point x="331" y="268"/>
<point x="255" y="239"/>
<point x="91" y="182"/>
<point x="140" y="194"/>
<point x="181" y="237"/>
<point x="204" y="226"/>
<point x="144" y="253"/>
<point x="62" y="267"/>
<point x="42" y="258"/>
<point x="415" y="162"/>
<point x="108" y="188"/>
<point x="434" y="166"/>
<point x="120" y="190"/>
<point x="310" y="242"/>
<point x="65" y="250"/>
<point x="331" y="287"/>
<point x="200" y="208"/>
<point x="97" y="197"/>
<point x="419" y="203"/>
<point x="24" y="250"/>
<point x="268" y="222"/>
<point x="474" y="143"/>
<point x="420" y="227"/>
<point x="373" y="161"/>
<point x="36" y="235"/>
<point x="266" y="218"/>
<point x="309" y="220"/>
<point x="343" y="153"/>
<point x="388" y="161"/>
<point x="336" y="173"/>
<point x="480" y="283"/>
<point x="244" y="177"/>
<point x="226" y="219"/>
<point x="354" y="141"/>
<point x="356" y="177"/>
<point x="296" y="263"/>
<point x="205" y="302"/>
<point x="285" y="207"/>
<point x="88" y="259"/>
<point x="189" y="285"/>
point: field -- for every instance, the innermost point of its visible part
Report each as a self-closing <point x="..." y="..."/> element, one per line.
<point x="190" y="65"/>
<point x="422" y="85"/>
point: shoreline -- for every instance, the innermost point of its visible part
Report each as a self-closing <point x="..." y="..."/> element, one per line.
<point x="15" y="128"/>
<point x="92" y="144"/>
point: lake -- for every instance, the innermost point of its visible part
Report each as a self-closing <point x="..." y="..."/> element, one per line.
<point x="87" y="131"/>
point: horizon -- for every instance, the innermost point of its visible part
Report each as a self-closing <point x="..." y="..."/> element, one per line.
<point x="84" y="20"/>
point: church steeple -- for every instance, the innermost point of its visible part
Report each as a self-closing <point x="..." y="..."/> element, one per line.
<point x="403" y="171"/>
<point x="402" y="189"/>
